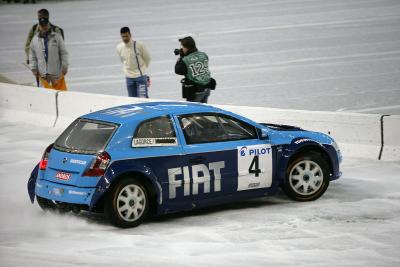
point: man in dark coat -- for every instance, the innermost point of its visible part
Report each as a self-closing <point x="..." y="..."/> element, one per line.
<point x="193" y="64"/>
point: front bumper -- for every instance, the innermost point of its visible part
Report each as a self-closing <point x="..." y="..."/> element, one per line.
<point x="336" y="176"/>
<point x="64" y="193"/>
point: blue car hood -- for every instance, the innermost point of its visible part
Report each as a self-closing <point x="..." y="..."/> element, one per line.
<point x="285" y="134"/>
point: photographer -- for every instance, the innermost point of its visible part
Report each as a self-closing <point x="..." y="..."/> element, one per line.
<point x="193" y="64"/>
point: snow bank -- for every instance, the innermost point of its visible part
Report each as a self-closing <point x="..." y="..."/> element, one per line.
<point x="358" y="135"/>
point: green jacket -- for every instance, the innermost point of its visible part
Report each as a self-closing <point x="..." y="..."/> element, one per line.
<point x="32" y="33"/>
<point x="197" y="67"/>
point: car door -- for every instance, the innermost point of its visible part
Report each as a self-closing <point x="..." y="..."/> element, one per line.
<point x="156" y="146"/>
<point x="223" y="155"/>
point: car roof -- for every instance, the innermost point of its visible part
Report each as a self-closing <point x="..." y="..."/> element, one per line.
<point x="139" y="112"/>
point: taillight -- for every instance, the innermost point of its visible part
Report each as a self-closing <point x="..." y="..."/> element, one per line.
<point x="99" y="165"/>
<point x="45" y="158"/>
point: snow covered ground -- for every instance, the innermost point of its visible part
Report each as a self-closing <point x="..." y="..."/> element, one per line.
<point x="310" y="54"/>
<point x="356" y="223"/>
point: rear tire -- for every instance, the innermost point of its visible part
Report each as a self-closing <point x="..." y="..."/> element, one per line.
<point x="127" y="203"/>
<point x="307" y="177"/>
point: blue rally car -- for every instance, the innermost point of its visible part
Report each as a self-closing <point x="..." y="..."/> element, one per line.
<point x="167" y="157"/>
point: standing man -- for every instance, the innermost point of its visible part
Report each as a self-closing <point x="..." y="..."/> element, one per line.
<point x="193" y="64"/>
<point x="48" y="57"/>
<point x="135" y="59"/>
<point x="42" y="13"/>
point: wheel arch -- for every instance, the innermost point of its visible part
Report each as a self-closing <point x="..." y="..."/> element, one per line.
<point x="120" y="170"/>
<point x="293" y="151"/>
<point x="316" y="149"/>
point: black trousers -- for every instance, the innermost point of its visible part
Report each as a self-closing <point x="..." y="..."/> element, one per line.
<point x="197" y="93"/>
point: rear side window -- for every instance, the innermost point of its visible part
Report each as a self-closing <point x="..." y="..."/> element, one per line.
<point x="85" y="136"/>
<point x="155" y="132"/>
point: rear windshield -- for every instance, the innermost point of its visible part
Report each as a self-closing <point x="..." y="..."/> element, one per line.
<point x="85" y="136"/>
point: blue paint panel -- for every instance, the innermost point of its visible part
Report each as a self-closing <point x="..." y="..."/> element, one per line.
<point x="156" y="169"/>
<point x="285" y="152"/>
<point x="336" y="158"/>
<point x="69" y="164"/>
<point x="31" y="183"/>
<point x="64" y="193"/>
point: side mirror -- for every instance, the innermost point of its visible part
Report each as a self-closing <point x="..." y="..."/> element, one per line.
<point x="264" y="134"/>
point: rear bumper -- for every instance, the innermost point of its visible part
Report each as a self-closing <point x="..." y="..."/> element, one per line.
<point x="64" y="193"/>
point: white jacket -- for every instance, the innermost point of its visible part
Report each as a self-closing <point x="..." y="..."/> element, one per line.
<point x="128" y="58"/>
<point x="57" y="55"/>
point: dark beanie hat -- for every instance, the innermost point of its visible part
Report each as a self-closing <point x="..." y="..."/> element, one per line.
<point x="188" y="42"/>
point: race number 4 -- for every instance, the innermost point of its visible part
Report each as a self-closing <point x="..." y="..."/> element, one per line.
<point x="254" y="167"/>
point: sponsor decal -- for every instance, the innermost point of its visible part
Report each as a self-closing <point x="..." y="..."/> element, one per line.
<point x="254" y="167"/>
<point x="242" y="151"/>
<point x="148" y="142"/>
<point x="74" y="192"/>
<point x="254" y="185"/>
<point x="57" y="191"/>
<point x="77" y="161"/>
<point x="63" y="176"/>
<point x="123" y="112"/>
<point x="201" y="174"/>
<point x="303" y="140"/>
<point x="254" y="151"/>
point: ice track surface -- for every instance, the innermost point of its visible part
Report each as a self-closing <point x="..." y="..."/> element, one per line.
<point x="356" y="223"/>
<point x="299" y="54"/>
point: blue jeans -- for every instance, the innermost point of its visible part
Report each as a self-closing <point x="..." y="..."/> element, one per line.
<point x="137" y="87"/>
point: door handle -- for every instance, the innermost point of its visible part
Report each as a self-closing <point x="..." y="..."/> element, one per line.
<point x="198" y="159"/>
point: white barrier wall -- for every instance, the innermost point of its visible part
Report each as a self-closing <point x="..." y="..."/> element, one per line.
<point x="391" y="132"/>
<point x="358" y="135"/>
<point x="27" y="104"/>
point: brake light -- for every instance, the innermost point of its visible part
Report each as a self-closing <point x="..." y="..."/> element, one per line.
<point x="45" y="158"/>
<point x="99" y="165"/>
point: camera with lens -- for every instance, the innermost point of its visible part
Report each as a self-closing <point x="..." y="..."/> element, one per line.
<point x="178" y="52"/>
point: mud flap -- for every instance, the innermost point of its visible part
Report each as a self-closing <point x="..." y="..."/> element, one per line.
<point x="32" y="183"/>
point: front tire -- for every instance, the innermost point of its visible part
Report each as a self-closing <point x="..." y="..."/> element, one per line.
<point x="307" y="177"/>
<point x="127" y="203"/>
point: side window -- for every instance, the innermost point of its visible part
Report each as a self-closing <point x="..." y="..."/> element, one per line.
<point x="155" y="132"/>
<point x="236" y="129"/>
<point x="207" y="128"/>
